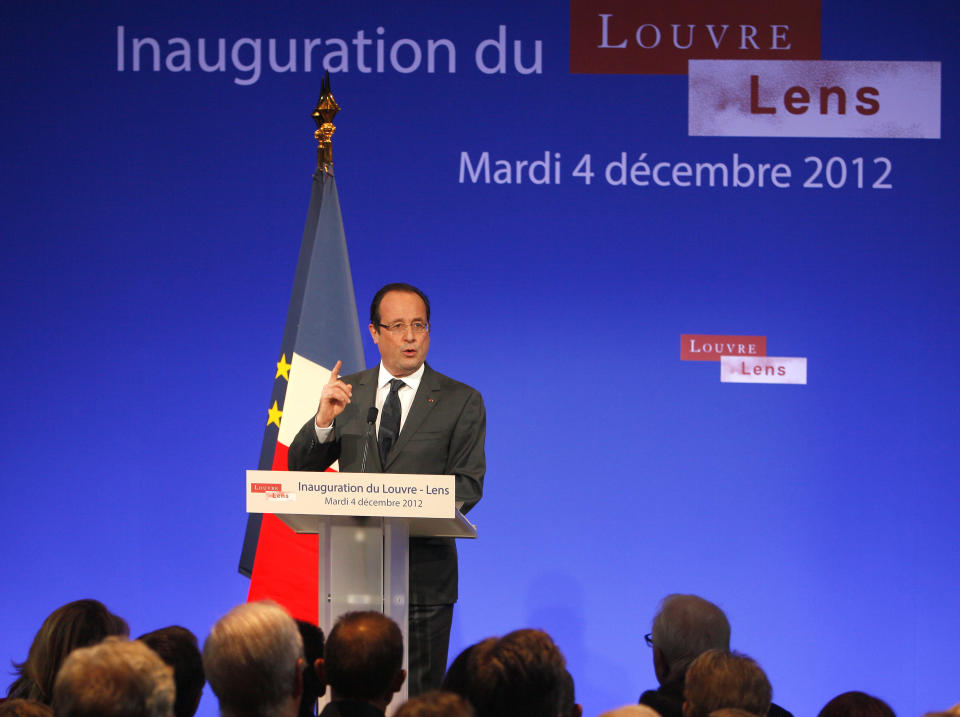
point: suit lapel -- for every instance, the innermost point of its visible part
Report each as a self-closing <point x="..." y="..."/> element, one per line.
<point x="428" y="396"/>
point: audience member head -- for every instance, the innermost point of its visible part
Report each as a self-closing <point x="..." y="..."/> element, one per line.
<point x="519" y="675"/>
<point x="685" y="627"/>
<point x="177" y="646"/>
<point x="363" y="658"/>
<point x="952" y="712"/>
<point x="462" y="668"/>
<point x="115" y="678"/>
<point x="733" y="712"/>
<point x="718" y="679"/>
<point x="313" y="686"/>
<point x="436" y="704"/>
<point x="253" y="658"/>
<point x="77" y="624"/>
<point x="632" y="711"/>
<point x="856" y="704"/>
<point x="18" y="707"/>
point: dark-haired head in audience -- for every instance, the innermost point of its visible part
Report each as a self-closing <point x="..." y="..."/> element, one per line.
<point x="460" y="670"/>
<point x="115" y="678"/>
<point x="77" y="624"/>
<point x="18" y="707"/>
<point x="363" y="660"/>
<point x="253" y="659"/>
<point x="719" y="679"/>
<point x="684" y="627"/>
<point x="177" y="646"/>
<point x="519" y="675"/>
<point x="435" y="703"/>
<point x="313" y="686"/>
<point x="856" y="704"/>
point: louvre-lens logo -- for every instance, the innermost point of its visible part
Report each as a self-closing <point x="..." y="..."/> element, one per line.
<point x="710" y="347"/>
<point x="658" y="38"/>
<point x="265" y="487"/>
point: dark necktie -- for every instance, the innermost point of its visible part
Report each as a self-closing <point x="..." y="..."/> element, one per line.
<point x="390" y="421"/>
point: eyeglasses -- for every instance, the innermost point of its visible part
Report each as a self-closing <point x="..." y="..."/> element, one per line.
<point x="400" y="328"/>
<point x="648" y="638"/>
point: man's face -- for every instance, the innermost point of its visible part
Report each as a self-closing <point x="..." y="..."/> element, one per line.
<point x="402" y="352"/>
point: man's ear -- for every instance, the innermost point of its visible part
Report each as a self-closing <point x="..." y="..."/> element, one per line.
<point x="321" y="673"/>
<point x="398" y="681"/>
<point x="660" y="668"/>
<point x="374" y="333"/>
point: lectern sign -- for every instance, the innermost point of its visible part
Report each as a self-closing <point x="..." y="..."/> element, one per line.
<point x="394" y="495"/>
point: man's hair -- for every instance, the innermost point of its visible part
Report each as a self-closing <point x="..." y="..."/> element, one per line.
<point x="519" y="675"/>
<point x="312" y="637"/>
<point x="718" y="679"/>
<point x="19" y="707"/>
<point x="177" y="646"/>
<point x="77" y="624"/>
<point x="116" y="678"/>
<point x="685" y="627"/>
<point x="461" y="669"/>
<point x="250" y="657"/>
<point x="436" y="703"/>
<point x="363" y="655"/>
<point x="856" y="704"/>
<point x="378" y="297"/>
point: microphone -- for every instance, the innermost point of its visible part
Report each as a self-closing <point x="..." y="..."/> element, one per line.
<point x="371" y="420"/>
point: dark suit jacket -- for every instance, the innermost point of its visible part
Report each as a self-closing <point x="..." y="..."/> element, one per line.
<point x="442" y="435"/>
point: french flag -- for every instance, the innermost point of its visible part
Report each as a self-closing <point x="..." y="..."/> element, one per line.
<point x="322" y="327"/>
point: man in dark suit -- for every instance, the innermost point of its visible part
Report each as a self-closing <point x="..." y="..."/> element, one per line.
<point x="426" y="423"/>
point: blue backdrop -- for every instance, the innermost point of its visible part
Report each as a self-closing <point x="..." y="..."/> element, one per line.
<point x="151" y="222"/>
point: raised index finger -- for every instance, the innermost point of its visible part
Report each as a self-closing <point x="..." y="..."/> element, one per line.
<point x="335" y="374"/>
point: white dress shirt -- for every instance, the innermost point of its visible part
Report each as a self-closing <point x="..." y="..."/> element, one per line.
<point x="406" y="395"/>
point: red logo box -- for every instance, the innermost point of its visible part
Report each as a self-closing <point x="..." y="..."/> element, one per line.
<point x="653" y="37"/>
<point x="265" y="487"/>
<point x="710" y="347"/>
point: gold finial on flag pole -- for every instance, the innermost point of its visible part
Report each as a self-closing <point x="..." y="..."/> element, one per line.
<point x="323" y="115"/>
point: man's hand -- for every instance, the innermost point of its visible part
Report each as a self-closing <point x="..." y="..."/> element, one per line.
<point x="333" y="398"/>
